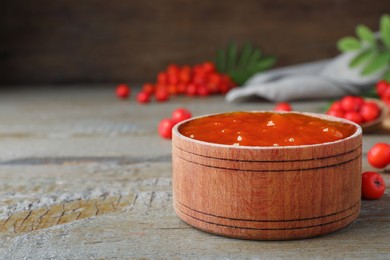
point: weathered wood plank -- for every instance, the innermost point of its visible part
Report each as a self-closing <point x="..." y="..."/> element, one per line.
<point x="73" y="186"/>
<point x="159" y="233"/>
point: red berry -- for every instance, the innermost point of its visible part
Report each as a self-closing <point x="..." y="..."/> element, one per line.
<point x="159" y="86"/>
<point x="185" y="75"/>
<point x="212" y="88"/>
<point x="215" y="78"/>
<point x="283" y="106"/>
<point x="143" y="97"/>
<point x="359" y="101"/>
<point x="165" y="128"/>
<point x="387" y="102"/>
<point x="181" y="88"/>
<point x="191" y="90"/>
<point x="180" y="114"/>
<point x="379" y="155"/>
<point x="225" y="85"/>
<point x="199" y="78"/>
<point x="224" y="88"/>
<point x="373" y="185"/>
<point x="202" y="90"/>
<point x="336" y="106"/>
<point x="148" y="88"/>
<point x="229" y="81"/>
<point x="173" y="79"/>
<point x="336" y="113"/>
<point x="162" y="78"/>
<point x="354" y="117"/>
<point x="369" y="111"/>
<point x="350" y="104"/>
<point x="172" y="89"/>
<point x="198" y="70"/>
<point x="381" y="86"/>
<point x="208" y="67"/>
<point x="386" y="94"/>
<point x="162" y="95"/>
<point x="173" y="69"/>
<point x="122" y="91"/>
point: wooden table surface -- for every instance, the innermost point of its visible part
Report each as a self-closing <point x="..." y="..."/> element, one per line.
<point x="83" y="175"/>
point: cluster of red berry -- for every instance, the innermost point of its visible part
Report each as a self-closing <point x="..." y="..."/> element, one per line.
<point x="373" y="185"/>
<point x="355" y="109"/>
<point x="165" y="126"/>
<point x="199" y="80"/>
<point x="383" y="91"/>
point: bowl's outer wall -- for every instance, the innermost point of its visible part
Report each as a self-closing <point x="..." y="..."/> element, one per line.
<point x="267" y="193"/>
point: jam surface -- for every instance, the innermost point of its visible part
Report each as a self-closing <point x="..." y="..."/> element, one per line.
<point x="265" y="129"/>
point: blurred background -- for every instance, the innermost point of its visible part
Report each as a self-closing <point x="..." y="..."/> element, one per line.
<point x="58" y="42"/>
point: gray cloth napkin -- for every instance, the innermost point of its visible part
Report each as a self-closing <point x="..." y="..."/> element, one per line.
<point x="323" y="79"/>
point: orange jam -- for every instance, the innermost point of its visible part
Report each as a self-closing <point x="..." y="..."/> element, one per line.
<point x="265" y="129"/>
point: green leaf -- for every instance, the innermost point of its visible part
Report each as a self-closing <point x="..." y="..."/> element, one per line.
<point x="245" y="55"/>
<point x="241" y="65"/>
<point x="238" y="77"/>
<point x="385" y="29"/>
<point x="264" y="63"/>
<point x="348" y="44"/>
<point x="365" y="34"/>
<point x="220" y="61"/>
<point x="231" y="56"/>
<point x="369" y="93"/>
<point x="387" y="76"/>
<point x="379" y="61"/>
<point x="254" y="57"/>
<point x="362" y="57"/>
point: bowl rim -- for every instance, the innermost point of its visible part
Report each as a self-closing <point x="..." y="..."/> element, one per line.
<point x="359" y="131"/>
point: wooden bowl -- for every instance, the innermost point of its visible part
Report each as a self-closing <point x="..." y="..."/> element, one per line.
<point x="267" y="193"/>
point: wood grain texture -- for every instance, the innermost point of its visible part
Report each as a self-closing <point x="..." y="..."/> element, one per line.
<point x="69" y="145"/>
<point x="271" y="193"/>
<point x="130" y="41"/>
<point x="27" y="221"/>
